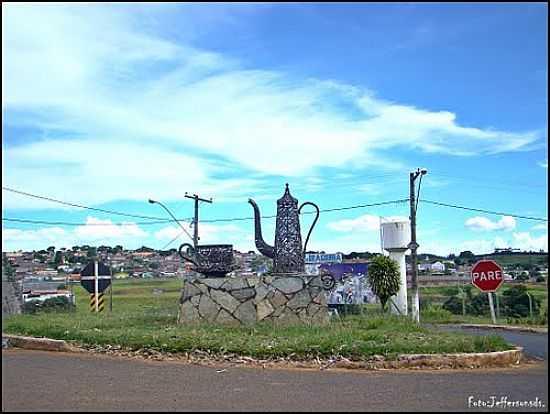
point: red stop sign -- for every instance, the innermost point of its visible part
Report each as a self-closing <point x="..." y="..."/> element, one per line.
<point x="487" y="276"/>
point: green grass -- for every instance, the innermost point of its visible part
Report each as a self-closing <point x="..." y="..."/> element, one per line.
<point x="436" y="296"/>
<point x="143" y="320"/>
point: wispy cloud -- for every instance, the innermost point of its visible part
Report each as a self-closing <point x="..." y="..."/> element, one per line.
<point x="364" y="223"/>
<point x="94" y="232"/>
<point x="527" y="242"/>
<point x="484" y="224"/>
<point x="152" y="111"/>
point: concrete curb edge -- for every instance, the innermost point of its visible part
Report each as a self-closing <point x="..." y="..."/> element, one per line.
<point x="42" y="344"/>
<point x="505" y="328"/>
<point x="411" y="361"/>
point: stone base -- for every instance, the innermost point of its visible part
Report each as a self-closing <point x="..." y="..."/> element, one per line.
<point x="296" y="299"/>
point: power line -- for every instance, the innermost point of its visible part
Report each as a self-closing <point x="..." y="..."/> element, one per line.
<point x="483" y="211"/>
<point x="84" y="207"/>
<point x="64" y="223"/>
<point x="305" y="212"/>
<point x="404" y="200"/>
<point x="200" y="221"/>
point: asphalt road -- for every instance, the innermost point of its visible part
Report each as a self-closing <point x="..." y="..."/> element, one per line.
<point x="49" y="381"/>
<point x="534" y="344"/>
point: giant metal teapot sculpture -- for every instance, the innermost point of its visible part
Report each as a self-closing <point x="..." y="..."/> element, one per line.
<point x="287" y="254"/>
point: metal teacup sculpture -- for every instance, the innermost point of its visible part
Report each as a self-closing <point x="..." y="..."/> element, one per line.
<point x="212" y="260"/>
<point x="287" y="254"/>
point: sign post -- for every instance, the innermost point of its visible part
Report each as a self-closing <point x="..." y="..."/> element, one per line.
<point x="95" y="278"/>
<point x="96" y="286"/>
<point x="487" y="276"/>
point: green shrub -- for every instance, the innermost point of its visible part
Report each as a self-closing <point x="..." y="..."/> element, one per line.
<point x="453" y="305"/>
<point x="384" y="278"/>
<point x="515" y="302"/>
<point x="60" y="303"/>
<point x="437" y="313"/>
<point x="479" y="305"/>
<point x="543" y="312"/>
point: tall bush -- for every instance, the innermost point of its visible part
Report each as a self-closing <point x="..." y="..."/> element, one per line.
<point x="384" y="278"/>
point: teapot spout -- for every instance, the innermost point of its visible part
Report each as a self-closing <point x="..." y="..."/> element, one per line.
<point x="261" y="245"/>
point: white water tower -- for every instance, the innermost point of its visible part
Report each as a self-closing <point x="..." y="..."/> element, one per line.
<point x="395" y="234"/>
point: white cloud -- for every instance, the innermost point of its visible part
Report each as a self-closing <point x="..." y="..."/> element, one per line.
<point x="137" y="108"/>
<point x="105" y="229"/>
<point x="93" y="172"/>
<point x="44" y="235"/>
<point x="94" y="232"/>
<point x="365" y="223"/>
<point x="484" y="224"/>
<point x="542" y="226"/>
<point x="528" y="242"/>
<point x="543" y="164"/>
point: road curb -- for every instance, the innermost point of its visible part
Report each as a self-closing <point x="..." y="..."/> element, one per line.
<point x="407" y="361"/>
<point x="42" y="344"/>
<point x="504" y="328"/>
<point x="441" y="361"/>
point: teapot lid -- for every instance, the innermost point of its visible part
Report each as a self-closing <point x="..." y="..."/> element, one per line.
<point x="287" y="197"/>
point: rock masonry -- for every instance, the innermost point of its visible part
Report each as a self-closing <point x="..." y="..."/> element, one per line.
<point x="283" y="300"/>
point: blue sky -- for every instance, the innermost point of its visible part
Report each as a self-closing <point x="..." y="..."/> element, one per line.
<point x="109" y="105"/>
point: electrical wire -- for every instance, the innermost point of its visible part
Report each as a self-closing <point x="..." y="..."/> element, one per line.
<point x="64" y="223"/>
<point x="484" y="211"/>
<point x="305" y="212"/>
<point x="83" y="206"/>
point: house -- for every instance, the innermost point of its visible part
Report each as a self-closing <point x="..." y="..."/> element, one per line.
<point x="437" y="267"/>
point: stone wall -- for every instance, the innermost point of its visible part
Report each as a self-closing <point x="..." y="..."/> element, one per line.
<point x="284" y="300"/>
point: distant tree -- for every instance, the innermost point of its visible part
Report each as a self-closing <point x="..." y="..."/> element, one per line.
<point x="58" y="259"/>
<point x="384" y="278"/>
<point x="75" y="248"/>
<point x="8" y="268"/>
<point x="51" y="249"/>
<point x="467" y="254"/>
<point x="92" y="253"/>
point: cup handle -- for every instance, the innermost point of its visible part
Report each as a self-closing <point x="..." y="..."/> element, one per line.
<point x="185" y="256"/>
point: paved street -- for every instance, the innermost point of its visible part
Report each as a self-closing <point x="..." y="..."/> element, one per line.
<point x="40" y="381"/>
<point x="534" y="344"/>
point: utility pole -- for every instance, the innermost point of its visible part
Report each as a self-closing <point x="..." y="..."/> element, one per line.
<point x="196" y="221"/>
<point x="414" y="245"/>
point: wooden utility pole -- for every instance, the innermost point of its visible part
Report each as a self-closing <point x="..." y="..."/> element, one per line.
<point x="415" y="305"/>
<point x="196" y="220"/>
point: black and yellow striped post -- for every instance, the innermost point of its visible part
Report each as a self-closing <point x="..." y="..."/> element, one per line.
<point x="100" y="305"/>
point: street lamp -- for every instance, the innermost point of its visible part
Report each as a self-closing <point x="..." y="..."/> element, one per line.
<point x="164" y="207"/>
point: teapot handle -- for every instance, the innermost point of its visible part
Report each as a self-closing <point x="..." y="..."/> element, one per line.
<point x="314" y="221"/>
<point x="185" y="256"/>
